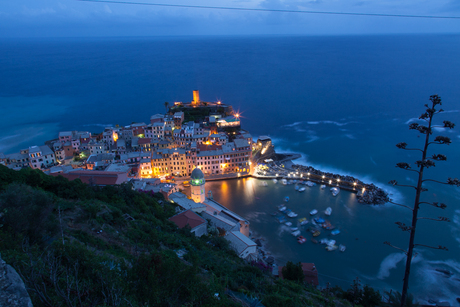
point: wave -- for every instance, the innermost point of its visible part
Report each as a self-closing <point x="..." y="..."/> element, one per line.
<point x="394" y="193"/>
<point x="435" y="285"/>
<point x="328" y="122"/>
<point x="293" y="124"/>
<point x="98" y="125"/>
<point x="350" y="136"/>
<point x="413" y="119"/>
<point x="390" y="262"/>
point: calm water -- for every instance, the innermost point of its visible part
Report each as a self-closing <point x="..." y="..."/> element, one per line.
<point x="343" y="102"/>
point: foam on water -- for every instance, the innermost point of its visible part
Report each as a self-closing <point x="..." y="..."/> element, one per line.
<point x="394" y="193"/>
<point x="389" y="262"/>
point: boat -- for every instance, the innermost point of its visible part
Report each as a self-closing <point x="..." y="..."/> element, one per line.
<point x="335" y="191"/>
<point x="292" y="214"/>
<point x="294" y="228"/>
<point x="327" y="242"/>
<point x="275" y="180"/>
<point x="301" y="240"/>
<point x="335" y="232"/>
<point x="316" y="233"/>
<point x="323" y="186"/>
<point x="313" y="212"/>
<point x="328" y="211"/>
<point x="296" y="233"/>
<point x="327" y="225"/>
<point x="287" y="211"/>
<point x="296" y="187"/>
<point x="302" y="189"/>
<point x="303" y="221"/>
<point x="310" y="184"/>
<point x="288" y="224"/>
<point x="284" y="181"/>
<point x="286" y="199"/>
<point x="264" y="183"/>
<point x="281" y="207"/>
<point x="331" y="248"/>
<point x="342" y="248"/>
<point x="281" y="219"/>
<point x="319" y="220"/>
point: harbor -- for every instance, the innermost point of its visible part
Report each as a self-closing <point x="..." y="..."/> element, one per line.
<point x="367" y="193"/>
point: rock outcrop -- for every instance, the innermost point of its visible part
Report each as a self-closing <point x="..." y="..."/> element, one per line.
<point x="13" y="292"/>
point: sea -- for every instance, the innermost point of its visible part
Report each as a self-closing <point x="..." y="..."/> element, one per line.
<point x="342" y="102"/>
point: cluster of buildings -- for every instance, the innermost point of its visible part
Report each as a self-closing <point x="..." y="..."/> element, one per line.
<point x="195" y="139"/>
<point x="199" y="209"/>
<point x="167" y="146"/>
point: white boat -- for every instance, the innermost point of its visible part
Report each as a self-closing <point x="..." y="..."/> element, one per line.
<point x="284" y="181"/>
<point x="331" y="248"/>
<point x="292" y="214"/>
<point x="335" y="191"/>
<point x="275" y="180"/>
<point x="323" y="186"/>
<point x="296" y="233"/>
<point x="313" y="212"/>
<point x="342" y="248"/>
<point x="289" y="224"/>
<point x="301" y="189"/>
<point x="328" y="211"/>
<point x="310" y="184"/>
<point x="281" y="208"/>
<point x="294" y="228"/>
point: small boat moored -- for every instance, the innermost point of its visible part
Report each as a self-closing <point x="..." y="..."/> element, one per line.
<point x="286" y="199"/>
<point x="335" y="191"/>
<point x="313" y="212"/>
<point x="292" y="214"/>
<point x="275" y="180"/>
<point x="289" y="224"/>
<point x="342" y="247"/>
<point x="281" y="207"/>
<point x="335" y="232"/>
<point x="328" y="211"/>
<point x="301" y="240"/>
<point x="296" y="233"/>
<point x="302" y="189"/>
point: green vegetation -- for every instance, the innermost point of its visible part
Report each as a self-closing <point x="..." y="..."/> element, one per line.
<point x="78" y="245"/>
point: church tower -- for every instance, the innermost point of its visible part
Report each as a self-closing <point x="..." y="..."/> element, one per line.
<point x="197" y="185"/>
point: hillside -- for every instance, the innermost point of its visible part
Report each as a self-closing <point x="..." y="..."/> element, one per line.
<point x="78" y="245"/>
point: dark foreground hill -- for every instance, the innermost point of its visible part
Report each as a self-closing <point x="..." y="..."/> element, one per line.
<point x="80" y="245"/>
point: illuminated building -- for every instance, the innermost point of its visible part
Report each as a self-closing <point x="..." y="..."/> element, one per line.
<point x="197" y="185"/>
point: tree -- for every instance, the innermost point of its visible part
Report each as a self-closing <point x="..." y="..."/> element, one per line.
<point x="424" y="163"/>
<point x="167" y="106"/>
<point x="293" y="271"/>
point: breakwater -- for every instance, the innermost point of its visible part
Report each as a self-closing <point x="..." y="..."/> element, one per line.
<point x="366" y="193"/>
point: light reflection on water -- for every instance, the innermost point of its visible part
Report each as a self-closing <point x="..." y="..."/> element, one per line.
<point x="363" y="230"/>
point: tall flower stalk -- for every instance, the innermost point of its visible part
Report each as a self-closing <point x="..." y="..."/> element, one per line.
<point x="425" y="162"/>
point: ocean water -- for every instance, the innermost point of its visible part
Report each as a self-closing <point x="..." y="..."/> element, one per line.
<point x="342" y="102"/>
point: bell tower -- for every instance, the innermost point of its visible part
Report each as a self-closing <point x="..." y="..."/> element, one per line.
<point x="197" y="186"/>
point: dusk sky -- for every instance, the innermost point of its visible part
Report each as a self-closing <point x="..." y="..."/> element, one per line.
<point x="70" y="18"/>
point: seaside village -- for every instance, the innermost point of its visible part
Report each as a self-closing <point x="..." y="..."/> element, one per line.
<point x="191" y="142"/>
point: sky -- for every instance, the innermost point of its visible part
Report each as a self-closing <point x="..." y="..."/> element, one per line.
<point x="73" y="18"/>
